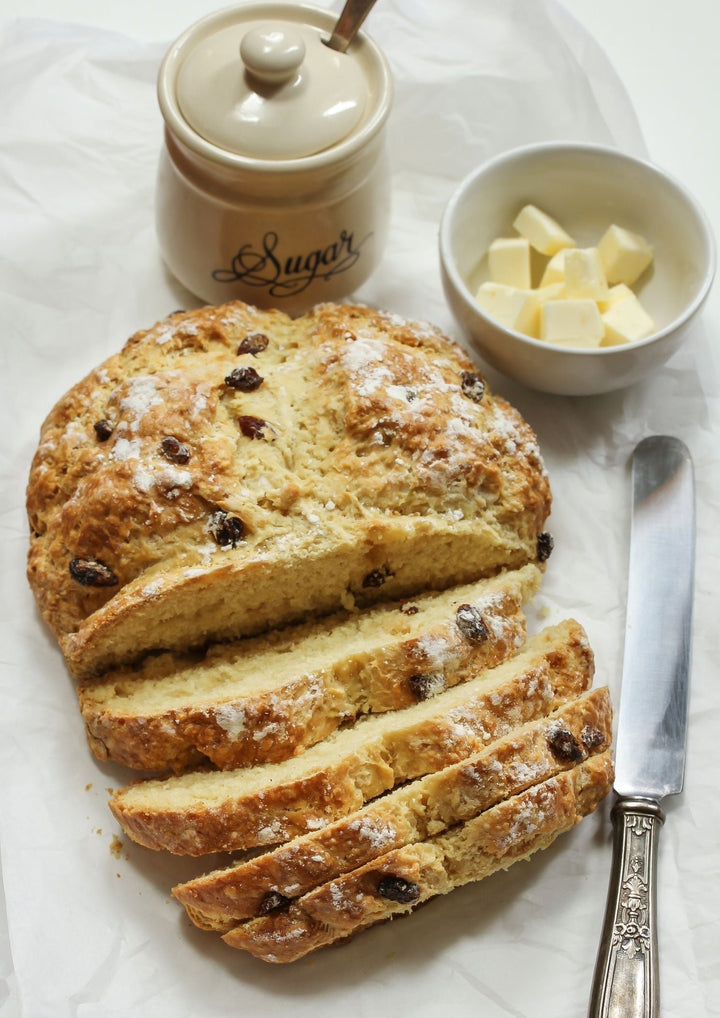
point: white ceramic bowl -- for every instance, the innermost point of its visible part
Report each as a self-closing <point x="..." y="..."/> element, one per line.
<point x="585" y="188"/>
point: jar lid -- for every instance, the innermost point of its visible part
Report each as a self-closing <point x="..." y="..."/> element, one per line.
<point x="270" y="88"/>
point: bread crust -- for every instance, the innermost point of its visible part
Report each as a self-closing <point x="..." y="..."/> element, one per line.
<point x="269" y="698"/>
<point x="213" y="811"/>
<point x="220" y="899"/>
<point x="506" y="833"/>
<point x="174" y="502"/>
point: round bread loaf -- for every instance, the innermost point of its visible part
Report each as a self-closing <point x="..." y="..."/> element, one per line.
<point x="232" y="470"/>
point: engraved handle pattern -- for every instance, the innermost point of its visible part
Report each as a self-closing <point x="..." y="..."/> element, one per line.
<point x="626" y="973"/>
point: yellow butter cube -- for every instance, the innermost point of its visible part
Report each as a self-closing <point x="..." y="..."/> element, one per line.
<point x="573" y="322"/>
<point x="584" y="274"/>
<point x="626" y="321"/>
<point x="509" y="262"/>
<point x="625" y="255"/>
<point x="555" y="268"/>
<point x="553" y="291"/>
<point x="614" y="295"/>
<point x="510" y="306"/>
<point x="543" y="233"/>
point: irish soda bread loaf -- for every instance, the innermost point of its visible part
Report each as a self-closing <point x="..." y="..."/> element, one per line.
<point x="268" y="697"/>
<point x="287" y="562"/>
<point x="233" y="470"/>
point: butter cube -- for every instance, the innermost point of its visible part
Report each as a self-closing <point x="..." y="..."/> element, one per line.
<point x="553" y="291"/>
<point x="614" y="295"/>
<point x="584" y="274"/>
<point x="509" y="262"/>
<point x="544" y="234"/>
<point x="555" y="268"/>
<point x="574" y="322"/>
<point x="510" y="306"/>
<point x="625" y="255"/>
<point x="625" y="321"/>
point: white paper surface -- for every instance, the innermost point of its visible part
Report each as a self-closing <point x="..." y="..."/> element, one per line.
<point x="94" y="933"/>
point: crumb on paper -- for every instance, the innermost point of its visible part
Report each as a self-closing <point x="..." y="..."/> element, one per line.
<point x="116" y="847"/>
<point x="88" y="786"/>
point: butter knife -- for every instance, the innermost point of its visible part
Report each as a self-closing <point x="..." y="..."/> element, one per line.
<point x="652" y="722"/>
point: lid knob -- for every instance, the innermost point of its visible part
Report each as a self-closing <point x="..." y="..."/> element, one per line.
<point x="272" y="54"/>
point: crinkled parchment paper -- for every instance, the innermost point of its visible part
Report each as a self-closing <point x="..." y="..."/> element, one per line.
<point x="92" y="930"/>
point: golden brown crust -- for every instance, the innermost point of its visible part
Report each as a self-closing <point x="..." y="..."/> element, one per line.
<point x="268" y="698"/>
<point x="204" y="812"/>
<point x="413" y="812"/>
<point x="396" y="883"/>
<point x="363" y="466"/>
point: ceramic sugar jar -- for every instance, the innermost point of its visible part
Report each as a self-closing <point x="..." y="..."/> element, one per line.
<point x="273" y="185"/>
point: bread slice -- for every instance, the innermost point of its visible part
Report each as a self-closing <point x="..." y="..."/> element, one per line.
<point x="266" y="699"/>
<point x="233" y="470"/>
<point x="397" y="882"/>
<point x="413" y="812"/>
<point x="210" y="811"/>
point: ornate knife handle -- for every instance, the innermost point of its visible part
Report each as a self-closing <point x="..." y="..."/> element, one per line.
<point x="626" y="973"/>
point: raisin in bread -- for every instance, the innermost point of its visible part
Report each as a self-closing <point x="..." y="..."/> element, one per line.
<point x="417" y="810"/>
<point x="232" y="470"/>
<point x="397" y="882"/>
<point x="205" y="811"/>
<point x="267" y="698"/>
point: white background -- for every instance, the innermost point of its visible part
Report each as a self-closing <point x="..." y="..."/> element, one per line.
<point x="524" y="946"/>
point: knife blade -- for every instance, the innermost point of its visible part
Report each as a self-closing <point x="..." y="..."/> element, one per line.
<point x="652" y="721"/>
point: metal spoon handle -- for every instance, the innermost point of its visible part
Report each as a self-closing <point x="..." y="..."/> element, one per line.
<point x="626" y="974"/>
<point x="348" y="24"/>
